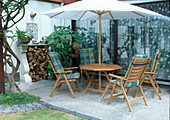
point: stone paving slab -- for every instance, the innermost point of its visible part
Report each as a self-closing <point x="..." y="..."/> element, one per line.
<point x="20" y="108"/>
<point x="91" y="104"/>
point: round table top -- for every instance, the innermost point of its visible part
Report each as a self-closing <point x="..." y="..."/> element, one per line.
<point x="103" y="67"/>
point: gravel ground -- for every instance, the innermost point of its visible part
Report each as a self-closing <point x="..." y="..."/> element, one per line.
<point x="91" y="106"/>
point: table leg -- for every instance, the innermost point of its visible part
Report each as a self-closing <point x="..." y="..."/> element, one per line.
<point x="89" y="83"/>
<point x="90" y="78"/>
<point x="93" y="84"/>
<point x="99" y="81"/>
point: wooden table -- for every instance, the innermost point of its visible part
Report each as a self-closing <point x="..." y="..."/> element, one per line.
<point x="96" y="68"/>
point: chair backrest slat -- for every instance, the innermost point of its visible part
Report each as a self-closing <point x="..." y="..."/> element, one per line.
<point x="136" y="73"/>
<point x="56" y="61"/>
<point x="155" y="61"/>
<point x="87" y="56"/>
<point x="137" y="68"/>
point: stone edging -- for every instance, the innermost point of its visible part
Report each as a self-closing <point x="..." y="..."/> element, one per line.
<point x="20" y="108"/>
<point x="67" y="111"/>
<point x="37" y="106"/>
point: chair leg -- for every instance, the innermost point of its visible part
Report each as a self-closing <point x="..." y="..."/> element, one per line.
<point x="154" y="87"/>
<point x="158" y="87"/>
<point x="81" y="72"/>
<point x="56" y="83"/>
<point x="77" y="86"/>
<point x="124" y="93"/>
<point x="108" y="79"/>
<point x="59" y="87"/>
<point x="143" y="95"/>
<point x="140" y="85"/>
<point x="127" y="92"/>
<point x="105" y="90"/>
<point x="79" y="80"/>
<point x="110" y="98"/>
<point x="113" y="90"/>
<point x="69" y="86"/>
<point x="136" y="92"/>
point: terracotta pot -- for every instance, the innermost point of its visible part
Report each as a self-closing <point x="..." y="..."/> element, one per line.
<point x="41" y="42"/>
<point x="25" y="40"/>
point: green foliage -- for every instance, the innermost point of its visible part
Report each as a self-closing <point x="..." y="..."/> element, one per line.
<point x="60" y="41"/>
<point x="22" y="34"/>
<point x="17" y="98"/>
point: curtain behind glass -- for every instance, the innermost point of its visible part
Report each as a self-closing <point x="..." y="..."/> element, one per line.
<point x="145" y="36"/>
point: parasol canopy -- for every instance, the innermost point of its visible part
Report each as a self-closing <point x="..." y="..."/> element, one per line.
<point x="97" y="10"/>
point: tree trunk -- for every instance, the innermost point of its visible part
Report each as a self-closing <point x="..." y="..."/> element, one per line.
<point x="8" y="60"/>
<point x="13" y="87"/>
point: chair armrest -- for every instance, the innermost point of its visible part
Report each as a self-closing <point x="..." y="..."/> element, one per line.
<point x="149" y="73"/>
<point x="71" y="68"/>
<point x="64" y="72"/>
<point x="117" y="77"/>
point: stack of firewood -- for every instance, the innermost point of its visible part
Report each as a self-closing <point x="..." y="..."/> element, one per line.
<point x="37" y="60"/>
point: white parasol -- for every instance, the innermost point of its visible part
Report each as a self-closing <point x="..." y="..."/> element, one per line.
<point x="97" y="10"/>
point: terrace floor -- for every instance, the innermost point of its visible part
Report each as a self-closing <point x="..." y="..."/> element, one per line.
<point x="91" y="104"/>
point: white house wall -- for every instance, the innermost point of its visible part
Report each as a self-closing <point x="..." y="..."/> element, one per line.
<point x="45" y="24"/>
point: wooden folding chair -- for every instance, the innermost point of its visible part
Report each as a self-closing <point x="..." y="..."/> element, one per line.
<point x="61" y="74"/>
<point x="133" y="75"/>
<point x="86" y="57"/>
<point x="149" y="77"/>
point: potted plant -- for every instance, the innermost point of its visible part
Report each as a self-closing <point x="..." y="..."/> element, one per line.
<point x="60" y="41"/>
<point x="23" y="37"/>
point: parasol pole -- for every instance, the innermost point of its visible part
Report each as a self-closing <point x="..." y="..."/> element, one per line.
<point x="100" y="38"/>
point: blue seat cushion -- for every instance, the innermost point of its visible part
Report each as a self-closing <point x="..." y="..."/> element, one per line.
<point x="71" y="76"/>
<point x="128" y="85"/>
